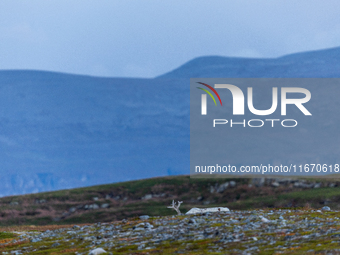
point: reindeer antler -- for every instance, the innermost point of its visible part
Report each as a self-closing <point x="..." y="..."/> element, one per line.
<point x="176" y="208"/>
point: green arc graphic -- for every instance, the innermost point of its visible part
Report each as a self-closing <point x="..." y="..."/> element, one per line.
<point x="209" y="94"/>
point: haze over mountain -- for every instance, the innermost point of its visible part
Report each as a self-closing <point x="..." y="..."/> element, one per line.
<point x="62" y="131"/>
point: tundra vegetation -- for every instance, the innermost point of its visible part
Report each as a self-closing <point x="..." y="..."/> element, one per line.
<point x="266" y="216"/>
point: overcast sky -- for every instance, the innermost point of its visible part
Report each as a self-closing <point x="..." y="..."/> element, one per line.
<point x="146" y="38"/>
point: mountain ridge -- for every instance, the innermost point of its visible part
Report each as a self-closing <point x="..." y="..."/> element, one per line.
<point x="62" y="130"/>
<point x="240" y="67"/>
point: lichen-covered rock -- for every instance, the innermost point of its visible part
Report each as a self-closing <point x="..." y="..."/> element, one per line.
<point x="144" y="217"/>
<point x="97" y="251"/>
<point x="265" y="220"/>
<point x="326" y="208"/>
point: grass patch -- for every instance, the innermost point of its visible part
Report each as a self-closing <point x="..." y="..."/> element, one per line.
<point x="6" y="235"/>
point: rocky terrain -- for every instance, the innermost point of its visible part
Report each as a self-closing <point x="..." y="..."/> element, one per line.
<point x="290" y="216"/>
<point x="286" y="231"/>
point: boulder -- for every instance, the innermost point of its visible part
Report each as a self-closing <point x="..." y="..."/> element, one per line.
<point x="97" y="251"/>
<point x="275" y="184"/>
<point x="147" y="196"/>
<point x="263" y="219"/>
<point x="258" y="182"/>
<point x="326" y="208"/>
<point x="222" y="187"/>
<point x="232" y="184"/>
<point x="144" y="217"/>
<point x="105" y="205"/>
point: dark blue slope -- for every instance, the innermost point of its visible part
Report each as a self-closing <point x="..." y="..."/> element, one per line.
<point x="59" y="131"/>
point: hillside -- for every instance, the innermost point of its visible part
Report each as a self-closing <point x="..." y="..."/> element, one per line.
<point x="277" y="216"/>
<point x="61" y="131"/>
<point x="118" y="201"/>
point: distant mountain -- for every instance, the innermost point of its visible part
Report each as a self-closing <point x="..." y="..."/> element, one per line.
<point x="63" y="131"/>
<point x="321" y="63"/>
